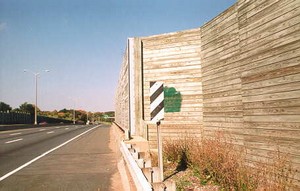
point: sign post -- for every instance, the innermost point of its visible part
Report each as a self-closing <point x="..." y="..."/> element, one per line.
<point x="157" y="114"/>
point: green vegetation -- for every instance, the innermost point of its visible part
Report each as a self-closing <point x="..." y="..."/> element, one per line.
<point x="4" y="107"/>
<point x="81" y="116"/>
<point x="215" y="163"/>
<point x="27" y="108"/>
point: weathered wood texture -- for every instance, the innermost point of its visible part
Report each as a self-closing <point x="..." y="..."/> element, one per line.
<point x="269" y="55"/>
<point x="174" y="59"/>
<point x="251" y="69"/>
<point x="122" y="95"/>
<point x="239" y="73"/>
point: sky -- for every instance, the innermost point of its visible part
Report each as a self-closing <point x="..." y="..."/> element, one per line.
<point x="82" y="43"/>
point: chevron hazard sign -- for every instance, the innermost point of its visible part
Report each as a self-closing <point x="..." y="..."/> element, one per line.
<point x="156" y="101"/>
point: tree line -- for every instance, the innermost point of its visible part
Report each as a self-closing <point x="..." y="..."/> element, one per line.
<point x="81" y="116"/>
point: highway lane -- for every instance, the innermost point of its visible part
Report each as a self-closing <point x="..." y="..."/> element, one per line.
<point x="17" y="147"/>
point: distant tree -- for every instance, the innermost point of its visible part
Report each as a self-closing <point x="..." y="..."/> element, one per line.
<point x="81" y="115"/>
<point x="16" y="110"/>
<point x="63" y="110"/>
<point x="110" y="113"/>
<point x="61" y="115"/>
<point x="27" y="107"/>
<point x="4" y="107"/>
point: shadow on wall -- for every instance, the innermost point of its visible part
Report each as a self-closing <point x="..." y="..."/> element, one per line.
<point x="172" y="100"/>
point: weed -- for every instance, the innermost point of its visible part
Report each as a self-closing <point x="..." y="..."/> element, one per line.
<point x="216" y="160"/>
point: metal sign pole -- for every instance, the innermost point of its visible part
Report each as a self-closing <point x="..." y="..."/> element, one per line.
<point x="160" y="153"/>
<point x="157" y="114"/>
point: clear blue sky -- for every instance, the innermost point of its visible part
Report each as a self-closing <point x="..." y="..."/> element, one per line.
<point x="82" y="43"/>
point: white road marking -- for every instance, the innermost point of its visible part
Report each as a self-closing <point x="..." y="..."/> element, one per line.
<point x="12" y="141"/>
<point x="44" y="154"/>
<point x="42" y="129"/>
<point x="57" y="127"/>
<point x="15" y="134"/>
<point x="66" y="128"/>
<point x="50" y="132"/>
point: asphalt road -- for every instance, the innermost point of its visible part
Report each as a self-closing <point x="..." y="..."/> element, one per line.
<point x="57" y="158"/>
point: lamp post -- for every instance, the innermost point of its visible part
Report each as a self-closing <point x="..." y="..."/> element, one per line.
<point x="36" y="74"/>
<point x="74" y="109"/>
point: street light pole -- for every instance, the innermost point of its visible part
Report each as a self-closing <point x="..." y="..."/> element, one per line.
<point x="74" y="120"/>
<point x="35" y="108"/>
<point x="36" y="74"/>
<point x="74" y="109"/>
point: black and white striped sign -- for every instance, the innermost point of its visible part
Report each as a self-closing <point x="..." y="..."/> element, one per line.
<point x="156" y="101"/>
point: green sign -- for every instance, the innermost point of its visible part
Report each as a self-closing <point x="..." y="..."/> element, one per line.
<point x="172" y="100"/>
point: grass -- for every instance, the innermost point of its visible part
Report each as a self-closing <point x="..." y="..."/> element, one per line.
<point x="217" y="162"/>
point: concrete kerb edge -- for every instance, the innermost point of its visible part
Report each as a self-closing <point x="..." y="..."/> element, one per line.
<point x="138" y="177"/>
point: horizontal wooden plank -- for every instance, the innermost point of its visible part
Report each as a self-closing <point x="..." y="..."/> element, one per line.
<point x="267" y="15"/>
<point x="174" y="76"/>
<point x="224" y="124"/>
<point x="210" y="80"/>
<point x="272" y="96"/>
<point x="174" y="69"/>
<point x="268" y="54"/>
<point x="285" y="23"/>
<point x="291" y="126"/>
<point x="206" y="53"/>
<point x="174" y="49"/>
<point x="169" y="54"/>
<point x="190" y="122"/>
<point x="183" y="33"/>
<point x="229" y="131"/>
<point x="184" y="114"/>
<point x="223" y="88"/>
<point x="223" y="99"/>
<point x="272" y="118"/>
<point x="269" y="45"/>
<point x="218" y="19"/>
<point x="272" y="104"/>
<point x="223" y="119"/>
<point x="270" y="41"/>
<point x="223" y="94"/>
<point x="263" y="142"/>
<point x="272" y="74"/>
<point x="223" y="114"/>
<point x="155" y="65"/>
<point x="275" y="133"/>
<point x="219" y="33"/>
<point x="170" y="39"/>
<point x="224" y="83"/>
<point x="187" y="42"/>
<point x="272" y="82"/>
<point x="250" y="8"/>
<point x="251" y="61"/>
<point x="231" y="103"/>
<point x="172" y="57"/>
<point x="225" y="54"/>
<point x="172" y="61"/>
<point x="287" y="59"/>
<point x="225" y="70"/>
<point x="236" y="108"/>
<point x="273" y="111"/>
<point x="272" y="89"/>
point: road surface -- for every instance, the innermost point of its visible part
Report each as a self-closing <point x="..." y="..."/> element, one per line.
<point x="58" y="158"/>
